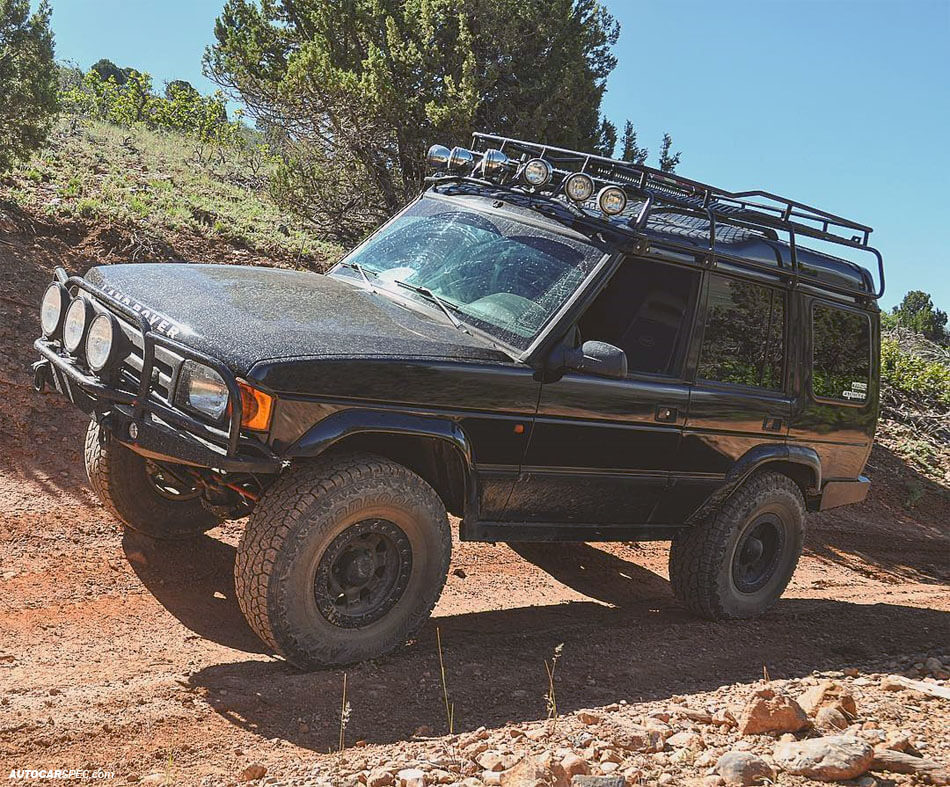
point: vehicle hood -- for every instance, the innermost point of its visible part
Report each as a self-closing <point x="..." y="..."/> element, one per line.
<point x="243" y="315"/>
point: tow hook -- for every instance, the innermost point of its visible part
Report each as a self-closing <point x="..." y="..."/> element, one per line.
<point x="40" y="376"/>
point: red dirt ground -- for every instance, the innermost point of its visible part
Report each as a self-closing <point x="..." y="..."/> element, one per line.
<point x="118" y="654"/>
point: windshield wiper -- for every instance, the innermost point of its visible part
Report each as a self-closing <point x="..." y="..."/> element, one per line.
<point x="438" y="301"/>
<point x="361" y="271"/>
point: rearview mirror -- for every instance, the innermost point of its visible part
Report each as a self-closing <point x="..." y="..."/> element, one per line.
<point x="599" y="358"/>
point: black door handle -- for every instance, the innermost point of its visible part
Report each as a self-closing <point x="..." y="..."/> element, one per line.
<point x="664" y="414"/>
<point x="771" y="424"/>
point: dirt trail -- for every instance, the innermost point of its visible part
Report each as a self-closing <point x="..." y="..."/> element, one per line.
<point x="117" y="654"/>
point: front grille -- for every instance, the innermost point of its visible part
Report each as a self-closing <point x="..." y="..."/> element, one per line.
<point x="164" y="368"/>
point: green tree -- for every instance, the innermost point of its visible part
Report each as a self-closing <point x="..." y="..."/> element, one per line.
<point x="668" y="161"/>
<point x="28" y="79"/>
<point x="629" y="150"/>
<point x="917" y="312"/>
<point x="106" y="69"/>
<point x="364" y="86"/>
<point x="607" y="138"/>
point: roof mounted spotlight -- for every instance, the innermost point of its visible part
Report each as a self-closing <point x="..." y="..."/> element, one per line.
<point x="611" y="200"/>
<point x="438" y="157"/>
<point x="537" y="172"/>
<point x="579" y="187"/>
<point x="494" y="162"/>
<point x="461" y="158"/>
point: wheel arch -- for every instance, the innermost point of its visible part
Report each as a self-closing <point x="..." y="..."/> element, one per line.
<point x="437" y="449"/>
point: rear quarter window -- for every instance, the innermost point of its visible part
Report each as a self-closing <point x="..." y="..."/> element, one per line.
<point x="841" y="357"/>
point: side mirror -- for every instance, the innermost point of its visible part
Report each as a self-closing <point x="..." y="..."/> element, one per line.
<point x="599" y="358"/>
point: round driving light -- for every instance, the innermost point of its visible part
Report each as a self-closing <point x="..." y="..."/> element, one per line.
<point x="78" y="316"/>
<point x="100" y="342"/>
<point x="438" y="156"/>
<point x="52" y="308"/>
<point x="579" y="187"/>
<point x="612" y="200"/>
<point x="493" y="162"/>
<point x="461" y="158"/>
<point x="537" y="172"/>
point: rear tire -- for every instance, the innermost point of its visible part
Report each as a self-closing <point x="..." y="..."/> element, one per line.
<point x="126" y="484"/>
<point x="342" y="560"/>
<point x="738" y="562"/>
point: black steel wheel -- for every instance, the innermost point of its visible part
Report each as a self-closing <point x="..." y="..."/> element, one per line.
<point x="342" y="560"/>
<point x="738" y="563"/>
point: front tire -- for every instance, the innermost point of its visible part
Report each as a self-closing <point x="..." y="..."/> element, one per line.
<point x="342" y="560"/>
<point x="133" y="491"/>
<point x="738" y="562"/>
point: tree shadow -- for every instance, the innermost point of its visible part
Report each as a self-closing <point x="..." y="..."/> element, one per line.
<point x="634" y="643"/>
<point x="903" y="506"/>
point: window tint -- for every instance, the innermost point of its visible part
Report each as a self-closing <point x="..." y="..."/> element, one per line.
<point x="841" y="363"/>
<point x="743" y="342"/>
<point x="644" y="310"/>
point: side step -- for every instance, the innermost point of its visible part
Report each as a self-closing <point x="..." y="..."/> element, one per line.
<point x="563" y="531"/>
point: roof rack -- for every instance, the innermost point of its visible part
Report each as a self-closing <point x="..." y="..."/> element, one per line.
<point x="660" y="190"/>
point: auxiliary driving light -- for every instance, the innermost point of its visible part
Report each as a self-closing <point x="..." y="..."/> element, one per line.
<point x="612" y="200"/>
<point x="53" y="309"/>
<point x="493" y="162"/>
<point x="537" y="172"/>
<point x="78" y="316"/>
<point x="438" y="156"/>
<point x="579" y="187"/>
<point x="461" y="158"/>
<point x="106" y="344"/>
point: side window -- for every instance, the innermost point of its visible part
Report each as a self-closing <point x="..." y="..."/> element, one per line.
<point x="841" y="360"/>
<point x="744" y="338"/>
<point x="645" y="310"/>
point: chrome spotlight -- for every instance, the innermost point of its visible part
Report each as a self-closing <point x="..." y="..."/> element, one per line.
<point x="461" y="158"/>
<point x="493" y="162"/>
<point x="438" y="156"/>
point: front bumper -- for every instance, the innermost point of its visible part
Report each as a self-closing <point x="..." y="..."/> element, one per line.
<point x="139" y="419"/>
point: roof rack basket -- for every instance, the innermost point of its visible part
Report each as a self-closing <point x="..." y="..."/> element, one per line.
<point x="756" y="210"/>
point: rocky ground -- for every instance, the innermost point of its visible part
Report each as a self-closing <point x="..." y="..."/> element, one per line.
<point x="120" y="655"/>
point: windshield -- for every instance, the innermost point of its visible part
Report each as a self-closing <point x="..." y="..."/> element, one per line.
<point x="501" y="276"/>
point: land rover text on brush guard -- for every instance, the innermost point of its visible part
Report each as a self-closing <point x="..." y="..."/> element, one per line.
<point x="550" y="345"/>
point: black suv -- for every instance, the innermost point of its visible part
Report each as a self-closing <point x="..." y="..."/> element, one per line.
<point x="550" y="345"/>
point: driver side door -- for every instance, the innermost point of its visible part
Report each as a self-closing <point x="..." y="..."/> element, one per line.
<point x="602" y="450"/>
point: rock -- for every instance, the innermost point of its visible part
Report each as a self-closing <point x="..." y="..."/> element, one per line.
<point x="411" y="777"/>
<point x="589" y="717"/>
<point x="686" y="740"/>
<point x="891" y="683"/>
<point x="899" y="762"/>
<point x="253" y="772"/>
<point x="690" y="713"/>
<point x="830" y="718"/>
<point x="380" y="777"/>
<point x="826" y="694"/>
<point x="491" y="761"/>
<point x="933" y="665"/>
<point x="739" y="767"/>
<point x="568" y="767"/>
<point x="633" y="737"/>
<point x="491" y="778"/>
<point x="724" y="718"/>
<point x="527" y="773"/>
<point x="769" y="711"/>
<point x="598" y="781"/>
<point x="826" y="759"/>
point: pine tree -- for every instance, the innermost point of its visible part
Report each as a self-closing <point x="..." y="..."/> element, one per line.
<point x="630" y="151"/>
<point x="668" y="162"/>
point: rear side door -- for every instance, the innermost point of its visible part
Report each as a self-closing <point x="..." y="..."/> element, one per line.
<point x="601" y="450"/>
<point x="740" y="398"/>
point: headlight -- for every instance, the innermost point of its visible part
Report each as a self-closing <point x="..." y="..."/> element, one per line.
<point x="52" y="307"/>
<point x="579" y="187"/>
<point x="103" y="343"/>
<point x="78" y="316"/>
<point x="201" y="389"/>
<point x="537" y="172"/>
<point x="612" y="200"/>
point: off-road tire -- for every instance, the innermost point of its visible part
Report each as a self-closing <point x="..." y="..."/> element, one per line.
<point x="701" y="557"/>
<point x="293" y="525"/>
<point x="119" y="477"/>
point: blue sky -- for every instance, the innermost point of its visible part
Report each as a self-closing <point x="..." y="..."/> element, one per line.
<point x="843" y="104"/>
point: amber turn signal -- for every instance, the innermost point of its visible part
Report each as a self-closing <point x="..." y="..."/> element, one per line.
<point x="256" y="407"/>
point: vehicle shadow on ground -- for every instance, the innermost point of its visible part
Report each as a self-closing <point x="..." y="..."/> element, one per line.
<point x="902" y="501"/>
<point x="194" y="580"/>
<point x="642" y="647"/>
